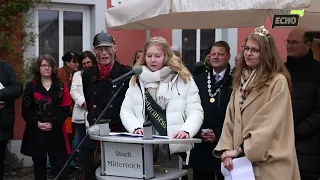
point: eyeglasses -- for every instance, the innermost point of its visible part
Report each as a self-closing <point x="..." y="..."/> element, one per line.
<point x="45" y="66"/>
<point x="246" y="49"/>
<point x="294" y="42"/>
<point x="104" y="48"/>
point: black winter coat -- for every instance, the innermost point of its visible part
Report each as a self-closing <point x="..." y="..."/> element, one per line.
<point x="305" y="75"/>
<point x="98" y="92"/>
<point x="12" y="90"/>
<point x="200" y="67"/>
<point x="52" y="106"/>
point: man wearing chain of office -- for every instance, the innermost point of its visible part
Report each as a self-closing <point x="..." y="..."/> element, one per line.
<point x="215" y="88"/>
<point x="98" y="91"/>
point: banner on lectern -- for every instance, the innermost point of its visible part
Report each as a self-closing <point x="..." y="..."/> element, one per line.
<point x="124" y="160"/>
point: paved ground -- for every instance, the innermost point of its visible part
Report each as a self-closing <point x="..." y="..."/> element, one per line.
<point x="27" y="174"/>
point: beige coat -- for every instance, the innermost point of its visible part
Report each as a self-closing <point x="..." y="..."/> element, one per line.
<point x="265" y="125"/>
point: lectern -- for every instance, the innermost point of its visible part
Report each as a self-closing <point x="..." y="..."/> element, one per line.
<point x="126" y="156"/>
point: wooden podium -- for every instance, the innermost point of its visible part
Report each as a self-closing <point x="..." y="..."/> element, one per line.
<point x="127" y="156"/>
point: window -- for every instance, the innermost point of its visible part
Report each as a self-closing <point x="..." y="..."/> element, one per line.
<point x="72" y="31"/>
<point x="195" y="45"/>
<point x="189" y="39"/>
<point x="49" y="33"/>
<point x="207" y="37"/>
<point x="63" y="29"/>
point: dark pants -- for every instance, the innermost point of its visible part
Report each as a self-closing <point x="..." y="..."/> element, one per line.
<point x="40" y="170"/>
<point x="80" y="131"/>
<point x="3" y="150"/>
<point x="89" y="168"/>
<point x="206" y="175"/>
<point x="72" y="135"/>
<point x="80" y="134"/>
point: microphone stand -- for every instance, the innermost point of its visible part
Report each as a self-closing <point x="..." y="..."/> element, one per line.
<point x="87" y="135"/>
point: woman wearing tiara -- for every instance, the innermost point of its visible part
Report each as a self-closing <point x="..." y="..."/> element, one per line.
<point x="259" y="121"/>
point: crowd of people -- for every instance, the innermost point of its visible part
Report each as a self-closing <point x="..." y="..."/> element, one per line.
<point x="263" y="109"/>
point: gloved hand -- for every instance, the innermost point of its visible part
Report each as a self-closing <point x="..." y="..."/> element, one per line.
<point x="94" y="130"/>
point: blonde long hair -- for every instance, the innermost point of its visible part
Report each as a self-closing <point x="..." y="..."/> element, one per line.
<point x="270" y="62"/>
<point x="170" y="59"/>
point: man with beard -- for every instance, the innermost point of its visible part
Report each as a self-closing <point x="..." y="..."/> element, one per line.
<point x="98" y="91"/>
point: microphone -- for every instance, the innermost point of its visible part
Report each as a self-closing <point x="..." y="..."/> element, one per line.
<point x="136" y="70"/>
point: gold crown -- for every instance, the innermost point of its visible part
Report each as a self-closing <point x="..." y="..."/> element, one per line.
<point x="161" y="41"/>
<point x="261" y="31"/>
<point x="156" y="40"/>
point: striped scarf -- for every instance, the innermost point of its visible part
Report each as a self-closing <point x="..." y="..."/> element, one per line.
<point x="247" y="78"/>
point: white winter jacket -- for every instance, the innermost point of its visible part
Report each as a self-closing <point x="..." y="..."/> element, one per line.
<point x="184" y="111"/>
<point x="76" y="92"/>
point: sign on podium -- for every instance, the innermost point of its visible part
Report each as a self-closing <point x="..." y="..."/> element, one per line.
<point x="129" y="156"/>
<point x="123" y="159"/>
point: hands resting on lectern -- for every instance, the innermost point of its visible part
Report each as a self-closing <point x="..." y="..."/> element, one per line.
<point x="138" y="131"/>
<point x="94" y="130"/>
<point x="178" y="135"/>
<point x="181" y="135"/>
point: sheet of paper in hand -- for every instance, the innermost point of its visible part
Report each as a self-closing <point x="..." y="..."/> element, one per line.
<point x="242" y="169"/>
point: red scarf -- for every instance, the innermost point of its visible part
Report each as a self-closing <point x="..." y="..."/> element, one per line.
<point x="104" y="70"/>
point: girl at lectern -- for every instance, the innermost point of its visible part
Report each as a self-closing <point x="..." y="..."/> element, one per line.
<point x="259" y="122"/>
<point x="165" y="95"/>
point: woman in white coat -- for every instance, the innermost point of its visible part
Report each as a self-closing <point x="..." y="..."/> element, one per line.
<point x="86" y="60"/>
<point x="165" y="95"/>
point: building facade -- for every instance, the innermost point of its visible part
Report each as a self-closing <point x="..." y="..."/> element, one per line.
<point x="71" y="25"/>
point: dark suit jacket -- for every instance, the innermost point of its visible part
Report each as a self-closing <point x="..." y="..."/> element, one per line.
<point x="214" y="113"/>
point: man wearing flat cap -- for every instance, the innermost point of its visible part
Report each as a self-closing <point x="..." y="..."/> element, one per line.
<point x="98" y="91"/>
